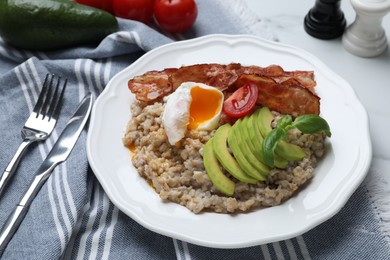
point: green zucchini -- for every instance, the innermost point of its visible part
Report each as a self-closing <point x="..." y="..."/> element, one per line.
<point x="52" y="24"/>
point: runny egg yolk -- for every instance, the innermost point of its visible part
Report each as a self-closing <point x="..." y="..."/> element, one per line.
<point x="206" y="103"/>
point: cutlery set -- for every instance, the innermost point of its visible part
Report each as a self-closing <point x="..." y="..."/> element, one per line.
<point x="38" y="127"/>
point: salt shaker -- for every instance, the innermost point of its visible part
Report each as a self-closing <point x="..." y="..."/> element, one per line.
<point x="325" y="20"/>
<point x="365" y="37"/>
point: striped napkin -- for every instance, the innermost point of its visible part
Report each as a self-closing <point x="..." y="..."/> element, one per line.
<point x="72" y="217"/>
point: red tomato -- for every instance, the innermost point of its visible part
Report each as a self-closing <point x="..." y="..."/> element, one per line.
<point x="242" y="101"/>
<point x="99" y="4"/>
<point x="139" y="10"/>
<point x="175" y="15"/>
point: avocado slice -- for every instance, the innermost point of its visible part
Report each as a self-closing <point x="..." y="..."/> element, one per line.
<point x="264" y="120"/>
<point x="213" y="170"/>
<point x="249" y="136"/>
<point x="225" y="158"/>
<point x="245" y="147"/>
<point x="257" y="139"/>
<point x="285" y="150"/>
<point x="244" y="157"/>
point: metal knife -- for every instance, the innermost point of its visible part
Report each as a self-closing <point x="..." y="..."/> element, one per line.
<point x="57" y="155"/>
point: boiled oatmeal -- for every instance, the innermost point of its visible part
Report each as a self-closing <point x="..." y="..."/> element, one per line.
<point x="177" y="172"/>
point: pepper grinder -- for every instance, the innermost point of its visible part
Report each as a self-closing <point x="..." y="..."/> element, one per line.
<point x="365" y="37"/>
<point x="325" y="20"/>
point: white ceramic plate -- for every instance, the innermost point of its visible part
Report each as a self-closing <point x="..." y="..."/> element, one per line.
<point x="335" y="179"/>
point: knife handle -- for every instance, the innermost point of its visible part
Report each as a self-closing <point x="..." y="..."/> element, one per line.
<point x="18" y="214"/>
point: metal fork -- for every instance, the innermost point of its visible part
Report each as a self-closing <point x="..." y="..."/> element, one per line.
<point x="40" y="124"/>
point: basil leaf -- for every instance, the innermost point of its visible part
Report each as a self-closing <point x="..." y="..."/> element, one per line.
<point x="284" y="121"/>
<point x="269" y="144"/>
<point x="311" y="124"/>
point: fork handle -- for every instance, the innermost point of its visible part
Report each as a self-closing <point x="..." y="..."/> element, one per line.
<point x="18" y="214"/>
<point x="13" y="164"/>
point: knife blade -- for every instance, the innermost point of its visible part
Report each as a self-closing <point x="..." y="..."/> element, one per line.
<point x="59" y="153"/>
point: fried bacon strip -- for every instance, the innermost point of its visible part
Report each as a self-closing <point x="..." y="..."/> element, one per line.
<point x="157" y="84"/>
<point x="154" y="85"/>
<point x="216" y="75"/>
<point x="287" y="97"/>
<point x="306" y="78"/>
<point x="288" y="92"/>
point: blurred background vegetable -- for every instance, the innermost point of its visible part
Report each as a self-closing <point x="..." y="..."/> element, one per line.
<point x="139" y="10"/>
<point x="99" y="4"/>
<point x="55" y="24"/>
<point x="175" y="16"/>
<point x="52" y="24"/>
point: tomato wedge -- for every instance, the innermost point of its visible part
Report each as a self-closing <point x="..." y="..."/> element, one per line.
<point x="242" y="101"/>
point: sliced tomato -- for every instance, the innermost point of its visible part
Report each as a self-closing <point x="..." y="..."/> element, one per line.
<point x="242" y="101"/>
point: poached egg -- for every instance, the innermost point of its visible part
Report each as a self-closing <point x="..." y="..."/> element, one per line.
<point x="192" y="106"/>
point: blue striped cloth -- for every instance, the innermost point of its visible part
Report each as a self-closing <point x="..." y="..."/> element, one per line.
<point x="72" y="217"/>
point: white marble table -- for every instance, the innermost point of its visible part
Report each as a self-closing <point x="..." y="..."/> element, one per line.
<point x="369" y="77"/>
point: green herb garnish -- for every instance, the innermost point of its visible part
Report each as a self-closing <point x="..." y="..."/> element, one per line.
<point x="308" y="124"/>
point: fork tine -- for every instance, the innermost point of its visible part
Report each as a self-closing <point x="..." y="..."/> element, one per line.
<point x="42" y="95"/>
<point x="53" y="99"/>
<point x="55" y="107"/>
<point x="45" y="107"/>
